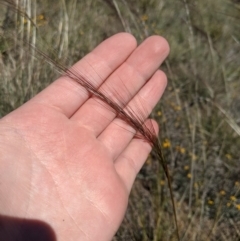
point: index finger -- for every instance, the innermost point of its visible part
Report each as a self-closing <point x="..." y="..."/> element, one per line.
<point x="66" y="95"/>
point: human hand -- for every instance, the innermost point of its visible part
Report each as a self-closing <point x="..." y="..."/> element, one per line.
<point x="64" y="157"/>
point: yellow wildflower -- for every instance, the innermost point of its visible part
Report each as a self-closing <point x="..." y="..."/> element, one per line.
<point x="233" y="198"/>
<point x="177" y="107"/>
<point x="193" y="156"/>
<point x="162" y="182"/>
<point x="210" y="202"/>
<point x="166" y="143"/>
<point x="144" y="17"/>
<point x="189" y="175"/>
<point x="181" y="149"/>
<point x="237" y="206"/>
<point x="40" y="17"/>
<point x="237" y="184"/>
<point x="222" y="192"/>
<point x="228" y="204"/>
<point x="228" y="156"/>
<point x="40" y="20"/>
<point x="186" y="167"/>
<point x="159" y="113"/>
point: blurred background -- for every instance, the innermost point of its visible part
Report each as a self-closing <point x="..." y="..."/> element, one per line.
<point x="199" y="114"/>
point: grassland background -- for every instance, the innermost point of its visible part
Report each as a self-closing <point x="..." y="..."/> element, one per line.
<point x="199" y="114"/>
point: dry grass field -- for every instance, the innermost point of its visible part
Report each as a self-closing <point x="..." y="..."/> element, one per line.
<point x="199" y="114"/>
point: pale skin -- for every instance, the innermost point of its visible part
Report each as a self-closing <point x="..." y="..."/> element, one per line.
<point x="65" y="159"/>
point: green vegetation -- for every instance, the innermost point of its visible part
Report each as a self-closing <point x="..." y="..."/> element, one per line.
<point x="199" y="114"/>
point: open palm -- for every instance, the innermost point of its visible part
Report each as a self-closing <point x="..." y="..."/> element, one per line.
<point x="65" y="159"/>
